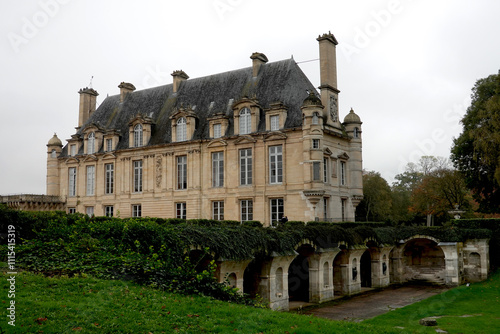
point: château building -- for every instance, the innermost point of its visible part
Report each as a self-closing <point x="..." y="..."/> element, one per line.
<point x="250" y="144"/>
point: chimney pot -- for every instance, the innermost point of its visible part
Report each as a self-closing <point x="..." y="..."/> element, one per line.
<point x="258" y="59"/>
<point x="125" y="88"/>
<point x="179" y="76"/>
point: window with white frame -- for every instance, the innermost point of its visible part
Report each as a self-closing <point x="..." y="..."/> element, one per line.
<point x="71" y="210"/>
<point x="91" y="143"/>
<point x="218" y="169"/>
<point x="72" y="150"/>
<point x="137" y="176"/>
<point x="180" y="210"/>
<point x="89" y="210"/>
<point x="109" y="178"/>
<point x="182" y="172"/>
<point x="343" y="180"/>
<point x="181" y="129"/>
<point x="275" y="164"/>
<point x="138" y="135"/>
<point x="245" y="121"/>
<point x="109" y="145"/>
<point x="218" y="210"/>
<point x="217" y="130"/>
<point x="315" y="143"/>
<point x="276" y="209"/>
<point x="275" y="122"/>
<point x="246" y="167"/>
<point x="90" y="180"/>
<point x="246" y="210"/>
<point x="325" y="169"/>
<point x="72" y="181"/>
<point x="136" y="210"/>
<point x="316" y="170"/>
<point x="108" y="210"/>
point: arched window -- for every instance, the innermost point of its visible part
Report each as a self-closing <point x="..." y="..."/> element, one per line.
<point x="245" y="121"/>
<point x="315" y="118"/>
<point x="138" y="135"/>
<point x="91" y="143"/>
<point x="181" y="129"/>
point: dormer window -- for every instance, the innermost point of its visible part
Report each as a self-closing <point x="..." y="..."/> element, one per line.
<point x="72" y="150"/>
<point x="181" y="130"/>
<point x="217" y="130"/>
<point x="275" y="122"/>
<point x="91" y="143"/>
<point x="138" y="139"/>
<point x="109" y="145"/>
<point x="245" y="121"/>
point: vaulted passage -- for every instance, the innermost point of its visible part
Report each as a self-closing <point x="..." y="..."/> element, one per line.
<point x="251" y="278"/>
<point x="298" y="275"/>
<point x="366" y="270"/>
<point x="424" y="261"/>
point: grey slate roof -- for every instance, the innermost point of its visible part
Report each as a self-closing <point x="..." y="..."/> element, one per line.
<point x="281" y="81"/>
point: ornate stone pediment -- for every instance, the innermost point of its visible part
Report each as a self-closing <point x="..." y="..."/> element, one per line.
<point x="109" y="156"/>
<point x="343" y="156"/>
<point x="90" y="157"/>
<point x="327" y="151"/>
<point x="72" y="160"/>
<point x="275" y="136"/>
<point x="217" y="143"/>
<point x="245" y="140"/>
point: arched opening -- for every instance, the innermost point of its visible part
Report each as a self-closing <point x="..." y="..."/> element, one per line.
<point x="340" y="274"/>
<point x="231" y="280"/>
<point x="384" y="265"/>
<point x="279" y="282"/>
<point x="366" y="270"/>
<point x="424" y="261"/>
<point x="298" y="275"/>
<point x="251" y="278"/>
<point x="326" y="274"/>
<point x="200" y="260"/>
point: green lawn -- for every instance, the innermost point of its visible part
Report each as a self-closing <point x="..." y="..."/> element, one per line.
<point x="466" y="309"/>
<point x="88" y="305"/>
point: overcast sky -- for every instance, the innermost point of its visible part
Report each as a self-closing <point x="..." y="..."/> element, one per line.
<point x="406" y="67"/>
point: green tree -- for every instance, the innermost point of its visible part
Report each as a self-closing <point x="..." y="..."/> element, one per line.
<point x="476" y="152"/>
<point x="377" y="200"/>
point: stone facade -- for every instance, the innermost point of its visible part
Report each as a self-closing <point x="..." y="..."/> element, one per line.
<point x="251" y="144"/>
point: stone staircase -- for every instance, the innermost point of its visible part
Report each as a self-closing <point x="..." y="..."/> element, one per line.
<point x="428" y="275"/>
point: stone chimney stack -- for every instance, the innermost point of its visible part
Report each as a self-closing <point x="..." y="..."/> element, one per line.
<point x="125" y="88"/>
<point x="88" y="98"/>
<point x="258" y="59"/>
<point x="328" y="77"/>
<point x="179" y="76"/>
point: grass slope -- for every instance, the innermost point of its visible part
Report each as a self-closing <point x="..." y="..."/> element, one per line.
<point x="89" y="305"/>
<point x="465" y="309"/>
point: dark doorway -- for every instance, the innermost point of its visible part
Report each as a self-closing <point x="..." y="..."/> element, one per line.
<point x="251" y="278"/>
<point x="366" y="270"/>
<point x="298" y="275"/>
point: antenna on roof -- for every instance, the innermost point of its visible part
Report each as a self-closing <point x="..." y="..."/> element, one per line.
<point x="90" y="84"/>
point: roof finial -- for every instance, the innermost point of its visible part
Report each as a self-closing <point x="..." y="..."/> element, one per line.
<point x="90" y="84"/>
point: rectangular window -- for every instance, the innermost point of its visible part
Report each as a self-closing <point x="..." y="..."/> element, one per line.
<point x="90" y="180"/>
<point x="315" y="143"/>
<point x="246" y="167"/>
<point x="138" y="176"/>
<point x="72" y="150"/>
<point x="325" y="208"/>
<point x="275" y="164"/>
<point x="109" y="145"/>
<point x="182" y="172"/>
<point x="342" y="173"/>
<point x="325" y="170"/>
<point x="218" y="169"/>
<point x="71" y="210"/>
<point x="316" y="170"/>
<point x="217" y="130"/>
<point x="275" y="122"/>
<point x="109" y="178"/>
<point x="108" y="210"/>
<point x="343" y="207"/>
<point x="218" y="210"/>
<point x="72" y="182"/>
<point x="136" y="210"/>
<point x="89" y="210"/>
<point x="276" y="210"/>
<point x="180" y="210"/>
<point x="246" y="210"/>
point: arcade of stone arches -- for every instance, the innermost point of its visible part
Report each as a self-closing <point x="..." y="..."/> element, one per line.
<point x="316" y="275"/>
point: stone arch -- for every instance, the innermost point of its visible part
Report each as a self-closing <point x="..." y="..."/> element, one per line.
<point x="326" y="274"/>
<point x="252" y="278"/>
<point x="231" y="280"/>
<point x="384" y="265"/>
<point x="298" y="274"/>
<point x="340" y="273"/>
<point x="279" y="282"/>
<point x="423" y="260"/>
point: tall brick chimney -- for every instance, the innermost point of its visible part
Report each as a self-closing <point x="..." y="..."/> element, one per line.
<point x="179" y="76"/>
<point x="258" y="59"/>
<point x="88" y="100"/>
<point x="328" y="77"/>
<point x="125" y="88"/>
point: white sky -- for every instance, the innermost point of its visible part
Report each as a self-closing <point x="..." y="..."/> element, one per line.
<point x="406" y="67"/>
